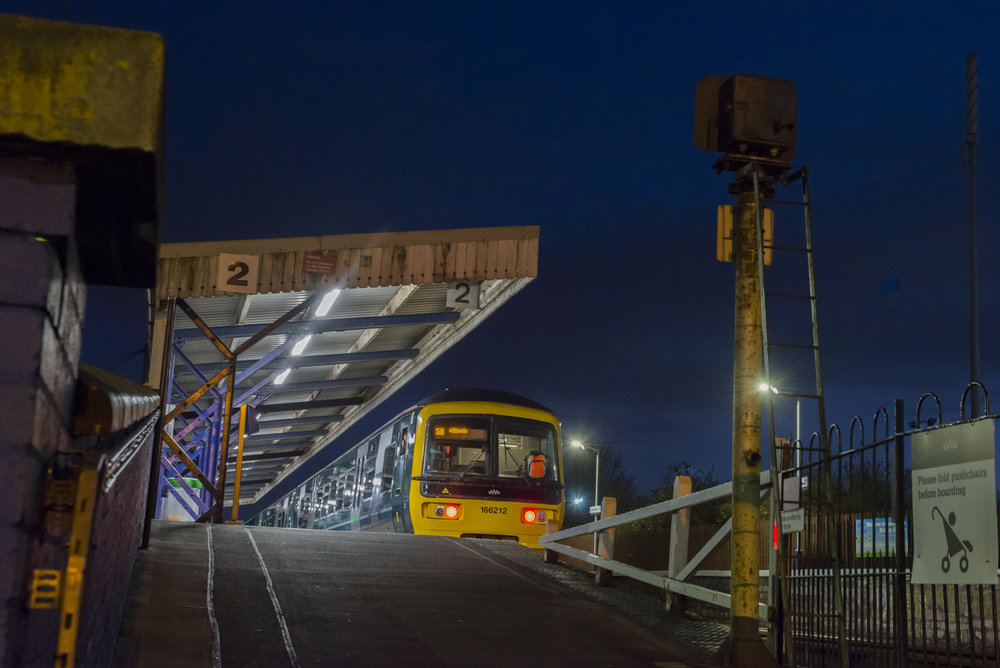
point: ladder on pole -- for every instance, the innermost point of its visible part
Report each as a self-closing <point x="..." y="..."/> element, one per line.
<point x="818" y="622"/>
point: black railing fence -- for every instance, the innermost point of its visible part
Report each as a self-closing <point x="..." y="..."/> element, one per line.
<point x="860" y="501"/>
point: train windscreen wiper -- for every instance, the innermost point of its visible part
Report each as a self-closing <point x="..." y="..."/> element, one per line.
<point x="468" y="467"/>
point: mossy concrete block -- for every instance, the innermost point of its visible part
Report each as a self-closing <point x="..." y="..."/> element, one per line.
<point x="81" y="84"/>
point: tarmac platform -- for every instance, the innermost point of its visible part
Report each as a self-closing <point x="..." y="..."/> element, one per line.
<point x="223" y="595"/>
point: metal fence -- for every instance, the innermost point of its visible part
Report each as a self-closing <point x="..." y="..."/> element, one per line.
<point x="861" y="504"/>
<point x="853" y="503"/>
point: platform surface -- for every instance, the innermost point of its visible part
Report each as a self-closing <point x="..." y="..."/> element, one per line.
<point x="209" y="596"/>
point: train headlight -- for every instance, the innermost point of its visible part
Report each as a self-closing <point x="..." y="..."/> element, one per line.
<point x="532" y="516"/>
<point x="448" y="511"/>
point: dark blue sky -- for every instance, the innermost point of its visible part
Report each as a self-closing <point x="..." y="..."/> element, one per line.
<point x="328" y="118"/>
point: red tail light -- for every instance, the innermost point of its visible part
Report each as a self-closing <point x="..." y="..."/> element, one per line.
<point x="532" y="516"/>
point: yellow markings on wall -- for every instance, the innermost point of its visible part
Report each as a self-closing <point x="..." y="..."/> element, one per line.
<point x="45" y="585"/>
<point x="79" y="545"/>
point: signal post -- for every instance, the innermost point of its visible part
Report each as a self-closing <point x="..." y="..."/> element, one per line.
<point x="747" y="364"/>
<point x="752" y="121"/>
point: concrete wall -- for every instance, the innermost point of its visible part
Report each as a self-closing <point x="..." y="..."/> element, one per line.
<point x="42" y="301"/>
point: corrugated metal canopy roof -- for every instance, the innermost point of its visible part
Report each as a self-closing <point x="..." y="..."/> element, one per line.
<point x="391" y="318"/>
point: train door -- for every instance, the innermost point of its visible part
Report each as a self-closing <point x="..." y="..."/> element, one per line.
<point x="401" y="522"/>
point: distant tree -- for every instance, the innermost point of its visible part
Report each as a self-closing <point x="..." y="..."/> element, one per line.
<point x="714" y="513"/>
<point x="578" y="476"/>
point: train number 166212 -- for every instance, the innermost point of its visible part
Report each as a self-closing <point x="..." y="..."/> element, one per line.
<point x="493" y="510"/>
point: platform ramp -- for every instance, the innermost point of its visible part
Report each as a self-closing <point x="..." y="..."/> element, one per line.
<point x="258" y="596"/>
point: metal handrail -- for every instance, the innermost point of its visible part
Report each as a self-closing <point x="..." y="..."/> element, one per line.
<point x="674" y="585"/>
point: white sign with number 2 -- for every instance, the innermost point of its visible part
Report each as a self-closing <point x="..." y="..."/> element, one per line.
<point x="238" y="273"/>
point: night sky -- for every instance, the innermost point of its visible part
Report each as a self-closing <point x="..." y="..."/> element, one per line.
<point x="310" y="118"/>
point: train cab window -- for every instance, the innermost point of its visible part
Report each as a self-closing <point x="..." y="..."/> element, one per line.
<point x="457" y="445"/>
<point x="523" y="443"/>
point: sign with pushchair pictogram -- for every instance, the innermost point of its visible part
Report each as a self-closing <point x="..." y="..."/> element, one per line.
<point x="954" y="505"/>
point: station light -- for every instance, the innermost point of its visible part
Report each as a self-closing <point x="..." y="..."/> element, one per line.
<point x="300" y="345"/>
<point x="280" y="378"/>
<point x="327" y="302"/>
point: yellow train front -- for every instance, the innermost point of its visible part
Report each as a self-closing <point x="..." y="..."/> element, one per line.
<point x="462" y="463"/>
<point x="485" y="465"/>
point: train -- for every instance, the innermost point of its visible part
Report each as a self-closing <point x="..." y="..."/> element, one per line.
<point x="461" y="463"/>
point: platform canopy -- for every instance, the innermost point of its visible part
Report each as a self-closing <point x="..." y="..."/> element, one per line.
<point x="321" y="330"/>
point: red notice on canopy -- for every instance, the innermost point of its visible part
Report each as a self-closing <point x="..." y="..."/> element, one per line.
<point x="314" y="263"/>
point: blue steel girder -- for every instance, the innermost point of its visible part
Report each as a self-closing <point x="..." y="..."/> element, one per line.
<point x="264" y="455"/>
<point x="335" y="384"/>
<point x="316" y="403"/>
<point x="294" y="422"/>
<point x="265" y="360"/>
<point x="320" y="360"/>
<point x="222" y="417"/>
<point x="188" y="491"/>
<point x="193" y="368"/>
<point x="197" y="394"/>
<point x="260" y="438"/>
<point x="258" y="448"/>
<point x="267" y="380"/>
<point x="331" y="325"/>
<point x="198" y="419"/>
<point x="172" y="444"/>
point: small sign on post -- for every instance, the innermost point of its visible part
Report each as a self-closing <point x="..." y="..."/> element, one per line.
<point x="793" y="521"/>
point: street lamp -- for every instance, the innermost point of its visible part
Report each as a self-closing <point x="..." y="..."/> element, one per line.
<point x="597" y="466"/>
<point x="597" y="478"/>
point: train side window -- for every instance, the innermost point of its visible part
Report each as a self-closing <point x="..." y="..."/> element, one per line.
<point x="388" y="463"/>
<point x="369" y="469"/>
<point x="341" y="491"/>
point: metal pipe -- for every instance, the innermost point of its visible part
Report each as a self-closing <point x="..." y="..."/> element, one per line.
<point x="972" y="132"/>
<point x="597" y="478"/>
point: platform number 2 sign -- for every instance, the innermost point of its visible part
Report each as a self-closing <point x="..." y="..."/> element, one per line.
<point x="238" y="273"/>
<point x="463" y="295"/>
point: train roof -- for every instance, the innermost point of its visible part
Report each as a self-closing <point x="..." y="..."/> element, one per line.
<point x="480" y="394"/>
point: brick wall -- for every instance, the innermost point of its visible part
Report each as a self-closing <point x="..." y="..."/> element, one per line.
<point x="42" y="300"/>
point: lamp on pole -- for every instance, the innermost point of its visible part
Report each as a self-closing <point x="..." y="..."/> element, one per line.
<point x="597" y="478"/>
<point x="597" y="466"/>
